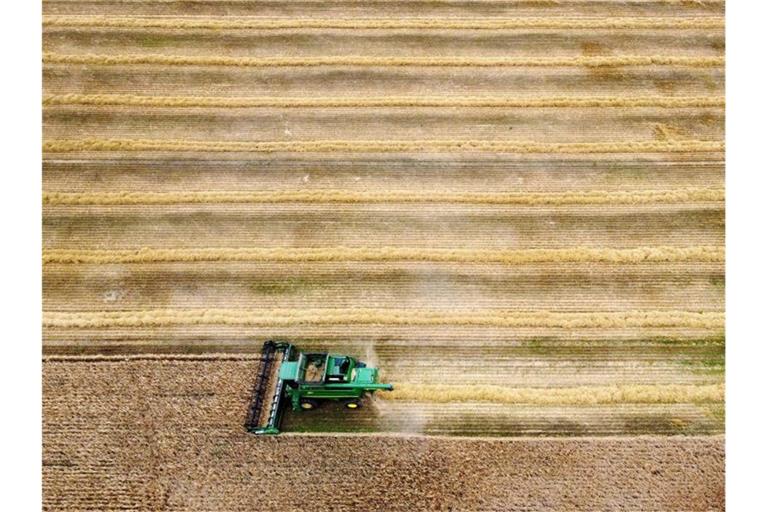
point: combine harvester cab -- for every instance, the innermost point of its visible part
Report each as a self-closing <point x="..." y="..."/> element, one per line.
<point x="304" y="379"/>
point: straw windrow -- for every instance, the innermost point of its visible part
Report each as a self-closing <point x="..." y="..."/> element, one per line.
<point x="595" y="197"/>
<point x="133" y="100"/>
<point x="336" y="254"/>
<point x="382" y="146"/>
<point x="362" y="316"/>
<point x="262" y="23"/>
<point x="586" y="395"/>
<point x="369" y="61"/>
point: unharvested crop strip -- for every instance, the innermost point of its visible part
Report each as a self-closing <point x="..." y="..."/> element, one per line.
<point x="524" y="2"/>
<point x="671" y="2"/>
<point x="596" y="197"/>
<point x="130" y="100"/>
<point x="392" y="317"/>
<point x="587" y="395"/>
<point x="361" y="60"/>
<point x="346" y="254"/>
<point x="262" y="23"/>
<point x="116" y="358"/>
<point x="382" y="146"/>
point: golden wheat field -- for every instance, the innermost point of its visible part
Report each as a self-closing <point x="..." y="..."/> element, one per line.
<point x="514" y="208"/>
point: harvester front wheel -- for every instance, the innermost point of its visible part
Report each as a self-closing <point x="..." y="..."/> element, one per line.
<point x="353" y="404"/>
<point x="308" y="404"/>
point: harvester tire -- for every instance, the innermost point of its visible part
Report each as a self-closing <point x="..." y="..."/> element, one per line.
<point x="308" y="404"/>
<point x="353" y="404"/>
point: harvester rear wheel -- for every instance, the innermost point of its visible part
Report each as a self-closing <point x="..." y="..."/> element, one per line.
<point x="353" y="404"/>
<point x="308" y="404"/>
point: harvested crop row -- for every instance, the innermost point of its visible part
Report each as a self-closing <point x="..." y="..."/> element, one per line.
<point x="447" y="127"/>
<point x="596" y="197"/>
<point x="333" y="9"/>
<point x="368" y="61"/>
<point x="424" y="232"/>
<point x="577" y="254"/>
<point x="402" y="81"/>
<point x="486" y="419"/>
<point x="394" y="101"/>
<point x="330" y="316"/>
<point x="550" y="286"/>
<point x="460" y="37"/>
<point x="383" y="146"/>
<point x="587" y="395"/>
<point x="550" y="176"/>
<point x="248" y="338"/>
<point x="239" y="23"/>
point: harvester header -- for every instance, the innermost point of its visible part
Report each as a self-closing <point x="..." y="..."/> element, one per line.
<point x="286" y="374"/>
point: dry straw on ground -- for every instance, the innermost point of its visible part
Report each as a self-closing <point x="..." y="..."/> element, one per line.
<point x="368" y="61"/>
<point x="262" y="23"/>
<point x="641" y="394"/>
<point x="511" y="257"/>
<point x="596" y="197"/>
<point x="363" y="316"/>
<point x="383" y="146"/>
<point x="384" y="101"/>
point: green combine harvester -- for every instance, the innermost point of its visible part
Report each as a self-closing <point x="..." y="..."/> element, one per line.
<point x="305" y="379"/>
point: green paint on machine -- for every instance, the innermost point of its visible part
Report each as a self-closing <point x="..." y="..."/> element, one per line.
<point x="305" y="379"/>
